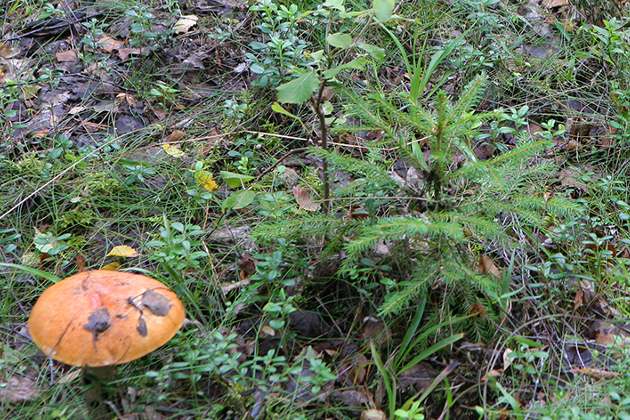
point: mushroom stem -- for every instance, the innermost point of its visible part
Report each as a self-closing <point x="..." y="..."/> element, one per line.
<point x="95" y="380"/>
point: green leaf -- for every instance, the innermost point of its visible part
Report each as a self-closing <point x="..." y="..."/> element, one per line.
<point x="335" y="4"/>
<point x="383" y="9"/>
<point x="299" y="90"/>
<point x="235" y="180"/>
<point x="377" y="53"/>
<point x="339" y="40"/>
<point x="276" y="107"/>
<point x="33" y="271"/>
<point x="239" y="199"/>
<point x="356" y="64"/>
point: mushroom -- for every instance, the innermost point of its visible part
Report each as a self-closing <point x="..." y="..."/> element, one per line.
<point x="99" y="319"/>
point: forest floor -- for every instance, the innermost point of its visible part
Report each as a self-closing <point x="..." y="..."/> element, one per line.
<point x="368" y="209"/>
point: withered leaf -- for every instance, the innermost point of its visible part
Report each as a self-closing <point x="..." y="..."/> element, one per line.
<point x="18" y="390"/>
<point x="98" y="322"/>
<point x="156" y="302"/>
<point x="142" y="327"/>
<point x="303" y="198"/>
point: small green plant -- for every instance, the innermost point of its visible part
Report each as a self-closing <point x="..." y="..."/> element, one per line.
<point x="232" y="109"/>
<point x="177" y="245"/>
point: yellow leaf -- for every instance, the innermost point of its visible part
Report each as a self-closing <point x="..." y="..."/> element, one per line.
<point x="173" y="150"/>
<point x="111" y="266"/>
<point x="30" y="259"/>
<point x="206" y="180"/>
<point x="123" y="251"/>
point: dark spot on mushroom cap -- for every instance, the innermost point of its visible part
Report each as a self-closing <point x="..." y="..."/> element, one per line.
<point x="156" y="302"/>
<point x="142" y="327"/>
<point x="98" y="322"/>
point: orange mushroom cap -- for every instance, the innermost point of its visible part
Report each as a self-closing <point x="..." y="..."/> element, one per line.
<point x="102" y="318"/>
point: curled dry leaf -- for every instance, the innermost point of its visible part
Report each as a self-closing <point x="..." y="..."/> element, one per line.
<point x="303" y="198"/>
<point x="373" y="414"/>
<point x="184" y="24"/>
<point x="487" y="266"/>
<point x="508" y="358"/>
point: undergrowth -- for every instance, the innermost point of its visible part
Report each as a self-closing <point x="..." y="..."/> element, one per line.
<point x="345" y="196"/>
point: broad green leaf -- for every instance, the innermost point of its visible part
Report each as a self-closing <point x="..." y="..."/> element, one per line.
<point x="339" y="40"/>
<point x="335" y="4"/>
<point x="299" y="90"/>
<point x="356" y="64"/>
<point x="235" y="180"/>
<point x="377" y="53"/>
<point x="276" y="107"/>
<point x="239" y="199"/>
<point x="383" y="9"/>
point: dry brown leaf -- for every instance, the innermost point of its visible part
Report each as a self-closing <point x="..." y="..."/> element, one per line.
<point x="353" y="369"/>
<point x="18" y="389"/>
<point x="246" y="265"/>
<point x="303" y="198"/>
<point x="175" y="136"/>
<point x="109" y="44"/>
<point x="597" y="374"/>
<point x="487" y="266"/>
<point x="81" y="266"/>
<point x="67" y="56"/>
<point x="555" y="3"/>
<point x="477" y="310"/>
<point x="578" y="300"/>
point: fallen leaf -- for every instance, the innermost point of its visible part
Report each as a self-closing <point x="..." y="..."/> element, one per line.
<point x="352" y="398"/>
<point x="597" y="374"/>
<point x="81" y="266"/>
<point x="67" y="56"/>
<point x="373" y="414"/>
<point x="246" y="265"/>
<point x="507" y="359"/>
<point x="477" y="310"/>
<point x="18" y="389"/>
<point x="184" y="24"/>
<point x="123" y="251"/>
<point x="353" y="370"/>
<point x="109" y="44"/>
<point x="419" y="377"/>
<point x="175" y="136"/>
<point x="555" y="3"/>
<point x="30" y="259"/>
<point x="207" y="181"/>
<point x="303" y="198"/>
<point x="173" y="150"/>
<point x="578" y="300"/>
<point x="113" y="266"/>
<point x="487" y="266"/>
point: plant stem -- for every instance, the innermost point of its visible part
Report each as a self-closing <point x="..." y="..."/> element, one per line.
<point x="323" y="127"/>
